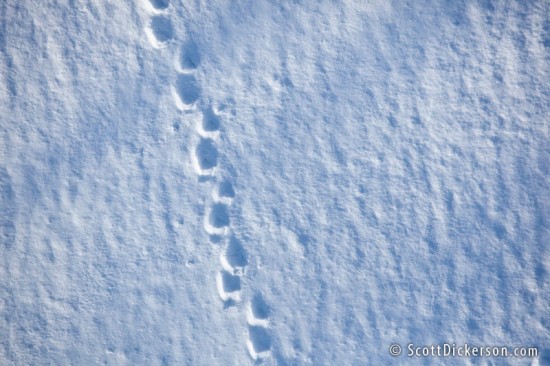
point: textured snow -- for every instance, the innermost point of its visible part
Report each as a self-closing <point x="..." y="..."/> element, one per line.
<point x="278" y="183"/>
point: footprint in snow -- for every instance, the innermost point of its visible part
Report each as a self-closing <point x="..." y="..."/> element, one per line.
<point x="257" y="318"/>
<point x="224" y="193"/>
<point x="205" y="157"/>
<point x="210" y="124"/>
<point x="159" y="31"/>
<point x="187" y="91"/>
<point x="189" y="57"/>
<point x="157" y="5"/>
<point x="217" y="220"/>
<point x="234" y="259"/>
<point x="229" y="288"/>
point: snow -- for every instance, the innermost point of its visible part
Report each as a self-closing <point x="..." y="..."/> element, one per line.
<point x="278" y="183"/>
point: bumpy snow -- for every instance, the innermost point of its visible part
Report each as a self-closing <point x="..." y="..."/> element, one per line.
<point x="273" y="182"/>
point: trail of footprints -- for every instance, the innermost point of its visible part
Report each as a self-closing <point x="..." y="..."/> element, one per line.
<point x="233" y="259"/>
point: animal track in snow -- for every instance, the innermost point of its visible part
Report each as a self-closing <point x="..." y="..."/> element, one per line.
<point x="210" y="124"/>
<point x="187" y="91"/>
<point x="224" y="193"/>
<point x="205" y="157"/>
<point x="229" y="287"/>
<point x="205" y="160"/>
<point x="189" y="58"/>
<point x="257" y="313"/>
<point x="159" y="4"/>
<point x="159" y="31"/>
<point x="259" y="342"/>
<point x="156" y="6"/>
<point x="234" y="257"/>
<point x="217" y="220"/>
<point x="257" y="318"/>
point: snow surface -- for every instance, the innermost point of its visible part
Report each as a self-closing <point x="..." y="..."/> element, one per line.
<point x="278" y="183"/>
